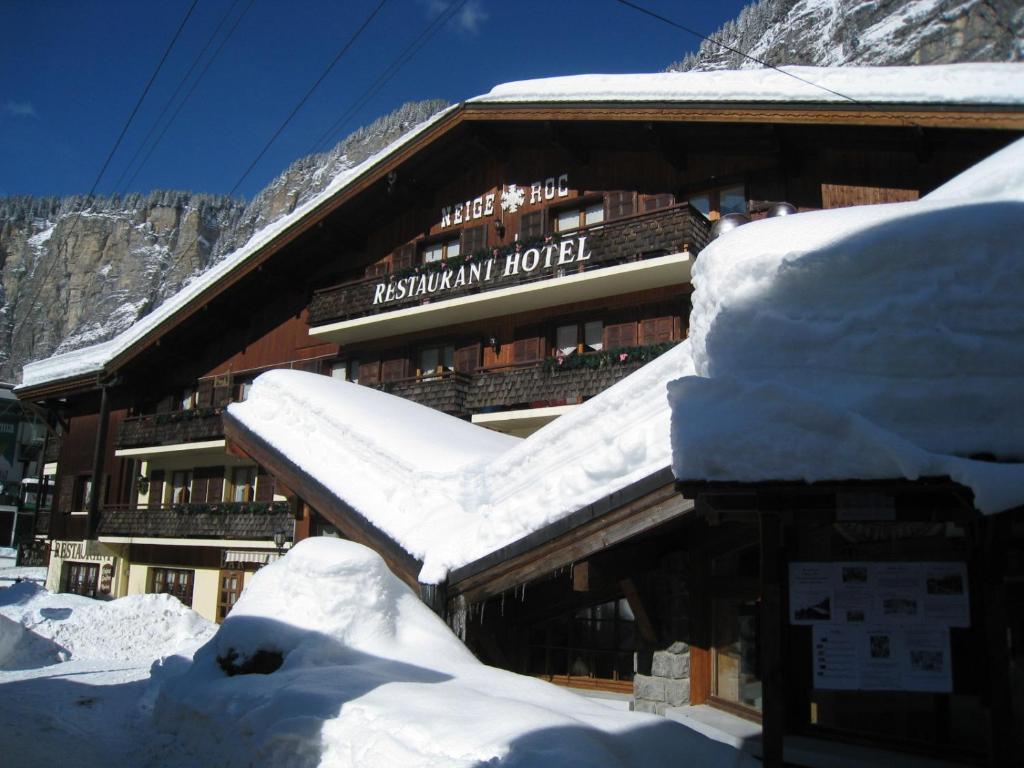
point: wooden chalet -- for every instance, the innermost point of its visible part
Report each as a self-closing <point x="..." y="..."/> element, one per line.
<point x="504" y="264"/>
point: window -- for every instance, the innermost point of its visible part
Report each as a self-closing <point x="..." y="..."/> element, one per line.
<point x="596" y="641"/>
<point x="434" y="252"/>
<point x="229" y="592"/>
<point x="404" y="258"/>
<point x="172" y="581"/>
<point x="434" y="361"/>
<point x="242" y="391"/>
<point x="583" y="337"/>
<point x="718" y="202"/>
<point x="82" y="493"/>
<point x="574" y="218"/>
<point x="473" y="239"/>
<point x="82" y="578"/>
<point x="657" y="202"/>
<point x="188" y="400"/>
<point x="243" y="484"/>
<point x="735" y="647"/>
<point x="181" y="486"/>
<point x="531" y="226"/>
<point x="346" y="370"/>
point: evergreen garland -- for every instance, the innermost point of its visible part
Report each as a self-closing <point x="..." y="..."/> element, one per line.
<point x="607" y="358"/>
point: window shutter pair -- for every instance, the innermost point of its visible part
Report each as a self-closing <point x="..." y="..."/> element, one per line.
<point x="467" y="359"/>
<point x="620" y="204"/>
<point x="527" y="350"/>
<point x="264" y="486"/>
<point x="620" y="335"/>
<point x="656" y="330"/>
<point x="391" y="370"/>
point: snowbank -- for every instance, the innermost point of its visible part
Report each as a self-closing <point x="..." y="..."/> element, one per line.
<point x="38" y="627"/>
<point x="936" y="84"/>
<point x="448" y="491"/>
<point x="370" y="677"/>
<point x="874" y="342"/>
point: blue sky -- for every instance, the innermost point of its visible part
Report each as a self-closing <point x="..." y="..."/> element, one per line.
<point x="72" y="71"/>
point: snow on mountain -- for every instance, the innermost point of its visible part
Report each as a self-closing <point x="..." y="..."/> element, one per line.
<point x="872" y="32"/>
<point x="76" y="272"/>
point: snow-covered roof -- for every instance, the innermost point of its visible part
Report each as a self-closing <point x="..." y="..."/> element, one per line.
<point x="874" y="342"/>
<point x="965" y="84"/>
<point x="92" y="359"/>
<point x="450" y="492"/>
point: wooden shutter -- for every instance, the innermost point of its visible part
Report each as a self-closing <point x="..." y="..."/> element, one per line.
<point x="404" y="258"/>
<point x="200" y="484"/>
<point x="221" y="390"/>
<point x="467" y="359"/>
<point x="264" y="486"/>
<point x="656" y="330"/>
<point x="204" y="393"/>
<point x="527" y="350"/>
<point x="215" y="488"/>
<point x="531" y="226"/>
<point x="620" y="335"/>
<point x="156" y="488"/>
<point x="843" y="195"/>
<point x="369" y="373"/>
<point x="620" y="204"/>
<point x="377" y="269"/>
<point x="474" y="239"/>
<point x="657" y="202"/>
<point x="66" y="499"/>
<point x="393" y="369"/>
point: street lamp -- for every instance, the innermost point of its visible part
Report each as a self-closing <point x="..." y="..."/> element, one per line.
<point x="279" y="537"/>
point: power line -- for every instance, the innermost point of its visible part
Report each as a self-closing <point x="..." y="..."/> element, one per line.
<point x="188" y="95"/>
<point x="302" y="101"/>
<point x="177" y="90"/>
<point x="389" y="72"/>
<point x="95" y="184"/>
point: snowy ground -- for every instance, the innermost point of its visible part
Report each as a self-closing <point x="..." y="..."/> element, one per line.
<point x="368" y="677"/>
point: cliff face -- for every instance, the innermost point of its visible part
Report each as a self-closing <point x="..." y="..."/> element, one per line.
<point x="865" y="32"/>
<point x="75" y="272"/>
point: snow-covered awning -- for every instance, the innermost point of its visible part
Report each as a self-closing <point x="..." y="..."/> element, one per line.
<point x="877" y="342"/>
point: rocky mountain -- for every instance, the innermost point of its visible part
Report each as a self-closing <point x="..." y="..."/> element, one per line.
<point x="865" y="32"/>
<point x="75" y="272"/>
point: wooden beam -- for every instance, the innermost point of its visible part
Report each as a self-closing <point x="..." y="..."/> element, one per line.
<point x="640" y="614"/>
<point x="577" y="545"/>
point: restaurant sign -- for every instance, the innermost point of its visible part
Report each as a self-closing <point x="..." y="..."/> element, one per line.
<point x="550" y="256"/>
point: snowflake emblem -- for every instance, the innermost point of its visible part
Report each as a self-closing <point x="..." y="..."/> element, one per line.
<point x="512" y="199"/>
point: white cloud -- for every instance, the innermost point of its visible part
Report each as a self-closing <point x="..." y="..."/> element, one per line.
<point x="468" y="19"/>
<point x="20" y="108"/>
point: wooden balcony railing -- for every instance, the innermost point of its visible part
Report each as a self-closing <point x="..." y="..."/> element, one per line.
<point x="576" y="378"/>
<point x="225" y="520"/>
<point x="172" y="428"/>
<point x="616" y="242"/>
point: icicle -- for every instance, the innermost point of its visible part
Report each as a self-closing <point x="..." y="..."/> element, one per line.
<point x="503" y="602"/>
<point x="458" y="620"/>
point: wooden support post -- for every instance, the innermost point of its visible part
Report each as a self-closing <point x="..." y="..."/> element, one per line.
<point x="99" y="456"/>
<point x="995" y="534"/>
<point x="771" y="639"/>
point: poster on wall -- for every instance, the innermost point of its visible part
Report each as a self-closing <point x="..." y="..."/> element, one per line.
<point x="880" y="626"/>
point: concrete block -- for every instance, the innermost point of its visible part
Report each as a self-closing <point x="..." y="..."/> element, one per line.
<point x="642" y="705"/>
<point x="678" y="647"/>
<point x="671" y="665"/>
<point x="677" y="692"/>
<point x="651" y="688"/>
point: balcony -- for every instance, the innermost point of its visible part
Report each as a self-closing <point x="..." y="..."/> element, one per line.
<point x="446" y="392"/>
<point x="572" y="380"/>
<point x="630" y="254"/>
<point x="199" y="425"/>
<point x="228" y="520"/>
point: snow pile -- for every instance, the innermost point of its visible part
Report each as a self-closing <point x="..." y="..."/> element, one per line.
<point x="937" y="84"/>
<point x="370" y="677"/>
<point x="447" y="491"/>
<point x="38" y="627"/>
<point x="874" y="342"/>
